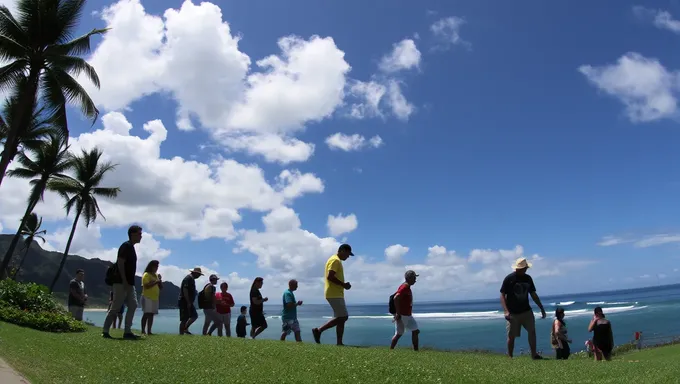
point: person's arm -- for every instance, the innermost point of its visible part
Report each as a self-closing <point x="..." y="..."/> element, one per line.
<point x="121" y="265"/>
<point x="290" y="303"/>
<point x="504" y="304"/>
<point x="611" y="335"/>
<point x="187" y="296"/>
<point x="74" y="292"/>
<point x="230" y="300"/>
<point x="537" y="300"/>
<point x="148" y="281"/>
<point x="592" y="324"/>
<point x="335" y="266"/>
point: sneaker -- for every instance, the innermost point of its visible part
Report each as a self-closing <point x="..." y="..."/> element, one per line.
<point x="317" y="335"/>
<point x="537" y="357"/>
<point x="130" y="336"/>
<point x="106" y="335"/>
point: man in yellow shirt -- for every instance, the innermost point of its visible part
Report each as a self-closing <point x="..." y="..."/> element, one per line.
<point x="335" y="286"/>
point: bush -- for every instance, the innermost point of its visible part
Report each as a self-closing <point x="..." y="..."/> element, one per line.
<point x="31" y="305"/>
<point x="30" y="296"/>
<point x="42" y="321"/>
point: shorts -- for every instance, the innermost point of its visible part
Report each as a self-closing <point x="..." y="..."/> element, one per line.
<point x="289" y="326"/>
<point x="518" y="321"/>
<point x="257" y="320"/>
<point x="77" y="312"/>
<point x="149" y="305"/>
<point x="338" y="306"/>
<point x="186" y="314"/>
<point x="405" y="322"/>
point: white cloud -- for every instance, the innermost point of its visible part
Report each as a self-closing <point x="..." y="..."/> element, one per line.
<point x="447" y="32"/>
<point x="641" y="242"/>
<point x="661" y="19"/>
<point x="645" y="86"/>
<point x="171" y="197"/>
<point x="405" y="55"/>
<point x="395" y="253"/>
<point x="191" y="54"/>
<point x="353" y="142"/>
<point x="401" y="108"/>
<point x="339" y="225"/>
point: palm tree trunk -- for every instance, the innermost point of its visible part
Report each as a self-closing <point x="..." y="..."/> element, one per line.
<point x="21" y="264"/>
<point x="13" y="245"/>
<point x="23" y="116"/>
<point x="68" y="246"/>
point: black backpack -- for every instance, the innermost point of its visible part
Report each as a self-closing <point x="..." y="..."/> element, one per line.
<point x="111" y="276"/>
<point x="393" y="308"/>
<point x="201" y="297"/>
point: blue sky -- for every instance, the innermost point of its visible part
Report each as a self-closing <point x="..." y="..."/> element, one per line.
<point x="529" y="126"/>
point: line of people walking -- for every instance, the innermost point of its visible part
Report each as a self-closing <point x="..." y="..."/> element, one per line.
<point x="515" y="291"/>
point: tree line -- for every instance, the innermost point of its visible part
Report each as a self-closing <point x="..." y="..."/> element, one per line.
<point x="42" y="60"/>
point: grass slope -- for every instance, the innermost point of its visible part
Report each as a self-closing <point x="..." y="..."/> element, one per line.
<point x="87" y="358"/>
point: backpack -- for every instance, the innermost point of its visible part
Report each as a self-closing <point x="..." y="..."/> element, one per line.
<point x="111" y="276"/>
<point x="201" y="298"/>
<point x="393" y="308"/>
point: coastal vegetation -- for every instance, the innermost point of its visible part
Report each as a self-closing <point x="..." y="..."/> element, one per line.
<point x="87" y="358"/>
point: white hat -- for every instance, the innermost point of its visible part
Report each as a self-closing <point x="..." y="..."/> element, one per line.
<point x="521" y="263"/>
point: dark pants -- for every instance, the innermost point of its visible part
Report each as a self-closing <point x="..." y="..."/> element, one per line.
<point x="563" y="353"/>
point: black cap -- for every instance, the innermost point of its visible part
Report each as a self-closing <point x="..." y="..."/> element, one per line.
<point x="346" y="247"/>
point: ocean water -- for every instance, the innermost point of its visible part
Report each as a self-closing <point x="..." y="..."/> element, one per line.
<point x="473" y="324"/>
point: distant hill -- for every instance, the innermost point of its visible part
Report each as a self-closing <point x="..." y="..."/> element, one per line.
<point x="41" y="265"/>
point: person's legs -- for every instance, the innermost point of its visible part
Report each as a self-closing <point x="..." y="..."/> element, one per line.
<point x="117" y="302"/>
<point x="120" y="319"/>
<point x="513" y="330"/>
<point x="528" y="322"/>
<point x="262" y="325"/>
<point x="145" y="317"/>
<point x="77" y="312"/>
<point x="340" y="316"/>
<point x="398" y="331"/>
<point x="415" y="332"/>
<point x="226" y="321"/>
<point x="131" y="301"/>
<point x="206" y="322"/>
<point x="149" y="324"/>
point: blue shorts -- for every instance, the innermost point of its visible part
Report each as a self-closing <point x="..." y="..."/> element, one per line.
<point x="289" y="326"/>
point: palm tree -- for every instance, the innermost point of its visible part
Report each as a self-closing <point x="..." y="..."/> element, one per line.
<point x="32" y="231"/>
<point x="81" y="192"/>
<point x="42" y="57"/>
<point x="33" y="136"/>
<point x="52" y="160"/>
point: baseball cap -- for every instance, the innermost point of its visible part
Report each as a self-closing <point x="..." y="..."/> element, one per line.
<point x="346" y="247"/>
<point x="410" y="274"/>
<point x="213" y="277"/>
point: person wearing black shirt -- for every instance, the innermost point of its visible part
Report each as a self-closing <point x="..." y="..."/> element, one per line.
<point x="257" y="320"/>
<point x="515" y="292"/>
<point x="124" y="285"/>
<point x="187" y="295"/>
<point x="77" y="295"/>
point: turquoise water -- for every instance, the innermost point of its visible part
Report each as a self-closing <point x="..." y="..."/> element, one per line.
<point x="475" y="324"/>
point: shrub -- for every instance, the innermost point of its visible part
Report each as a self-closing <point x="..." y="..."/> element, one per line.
<point x="31" y="305"/>
<point x="42" y="321"/>
<point x="30" y="296"/>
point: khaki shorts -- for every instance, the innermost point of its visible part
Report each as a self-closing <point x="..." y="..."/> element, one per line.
<point x="339" y="307"/>
<point x="149" y="306"/>
<point x="524" y="320"/>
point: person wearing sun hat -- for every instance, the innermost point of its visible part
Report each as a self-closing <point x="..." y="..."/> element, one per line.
<point x="515" y="292"/>
<point x="187" y="295"/>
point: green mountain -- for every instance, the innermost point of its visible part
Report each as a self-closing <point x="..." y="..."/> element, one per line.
<point x="41" y="265"/>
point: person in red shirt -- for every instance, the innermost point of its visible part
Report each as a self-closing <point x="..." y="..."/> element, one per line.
<point x="403" y="303"/>
<point x="223" y="303"/>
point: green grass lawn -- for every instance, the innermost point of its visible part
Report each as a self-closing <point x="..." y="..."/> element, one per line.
<point x="87" y="358"/>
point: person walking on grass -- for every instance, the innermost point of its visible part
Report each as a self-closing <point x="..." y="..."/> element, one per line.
<point x="603" y="337"/>
<point x="334" y="291"/>
<point x="559" y="338"/>
<point x="289" y="312"/>
<point x="224" y="302"/>
<point x="121" y="312"/>
<point x="187" y="295"/>
<point x="403" y="318"/>
<point x="210" y="307"/>
<point x="124" y="284"/>
<point x="259" y="323"/>
<point x="77" y="295"/>
<point x="242" y="323"/>
<point x="515" y="292"/>
<point x="151" y="293"/>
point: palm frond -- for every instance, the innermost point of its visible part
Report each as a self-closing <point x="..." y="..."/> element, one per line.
<point x="110" y="193"/>
<point x="77" y="47"/>
<point x="10" y="49"/>
<point x="12" y="75"/>
<point x="10" y="27"/>
<point x="22" y="173"/>
<point x="75" y="66"/>
<point x="68" y="16"/>
<point x="71" y="91"/>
